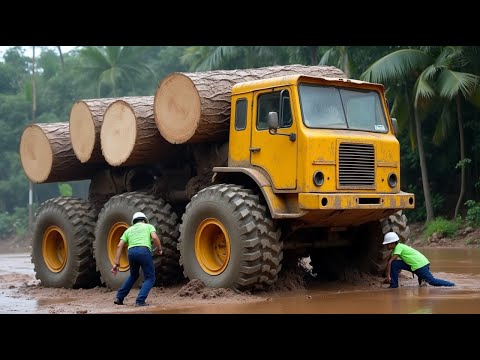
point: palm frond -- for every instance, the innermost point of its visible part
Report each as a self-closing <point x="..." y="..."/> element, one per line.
<point x="452" y="82"/>
<point x="432" y="70"/>
<point x="429" y="49"/>
<point x="396" y="65"/>
<point x="401" y="112"/>
<point x="329" y="58"/>
<point x="113" y="53"/>
<point x="193" y="56"/>
<point x="94" y="56"/>
<point x="444" y="124"/>
<point x="422" y="89"/>
<point x="475" y="97"/>
<point x="453" y="56"/>
<point x="217" y="56"/>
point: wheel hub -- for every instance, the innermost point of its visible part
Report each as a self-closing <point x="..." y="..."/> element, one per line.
<point x="212" y="246"/>
<point x="116" y="231"/>
<point x="54" y="249"/>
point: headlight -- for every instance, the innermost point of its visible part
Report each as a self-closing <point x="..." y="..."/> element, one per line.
<point x="392" y="180"/>
<point x="318" y="178"/>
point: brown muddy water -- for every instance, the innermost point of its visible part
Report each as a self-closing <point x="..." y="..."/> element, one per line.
<point x="460" y="265"/>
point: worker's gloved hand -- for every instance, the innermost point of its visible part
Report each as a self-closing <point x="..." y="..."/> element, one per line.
<point x="158" y="251"/>
<point x="386" y="281"/>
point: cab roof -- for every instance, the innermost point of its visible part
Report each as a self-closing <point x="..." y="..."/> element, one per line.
<point x="278" y="81"/>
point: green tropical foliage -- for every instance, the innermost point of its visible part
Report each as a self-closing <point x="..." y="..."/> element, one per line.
<point x="433" y="92"/>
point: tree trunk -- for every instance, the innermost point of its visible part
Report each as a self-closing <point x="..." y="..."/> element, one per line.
<point x="61" y="57"/>
<point x="47" y="155"/>
<point x="34" y="117"/>
<point x="346" y="61"/>
<point x="423" y="169"/>
<point x="313" y="51"/>
<point x="195" y="107"/>
<point x="462" y="156"/>
<point x="86" y="119"/>
<point x="129" y="135"/>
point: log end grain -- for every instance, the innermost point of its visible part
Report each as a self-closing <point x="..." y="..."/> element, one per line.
<point x="82" y="131"/>
<point x="118" y="133"/>
<point x="36" y="154"/>
<point x="177" y="108"/>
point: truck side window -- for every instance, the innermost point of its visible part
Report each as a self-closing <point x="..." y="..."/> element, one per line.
<point x="241" y="114"/>
<point x="286" y="120"/>
<point x="271" y="102"/>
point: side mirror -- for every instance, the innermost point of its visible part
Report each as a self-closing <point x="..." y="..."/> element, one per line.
<point x="273" y="122"/>
<point x="395" y="126"/>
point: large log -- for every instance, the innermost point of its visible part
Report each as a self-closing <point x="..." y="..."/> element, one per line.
<point x="195" y="107"/>
<point x="85" y="121"/>
<point x="129" y="135"/>
<point x="47" y="155"/>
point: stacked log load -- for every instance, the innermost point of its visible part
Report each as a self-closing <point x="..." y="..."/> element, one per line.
<point x="47" y="155"/>
<point x="186" y="108"/>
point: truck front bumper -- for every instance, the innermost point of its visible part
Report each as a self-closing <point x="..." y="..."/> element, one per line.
<point x="344" y="201"/>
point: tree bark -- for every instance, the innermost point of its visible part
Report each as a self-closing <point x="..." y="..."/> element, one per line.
<point x="47" y="155"/>
<point x="86" y="119"/>
<point x="423" y="169"/>
<point x="195" y="107"/>
<point x="462" y="156"/>
<point x="129" y="135"/>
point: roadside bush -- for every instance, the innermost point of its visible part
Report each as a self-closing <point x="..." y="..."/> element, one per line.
<point x="473" y="213"/>
<point x="15" y="223"/>
<point x="440" y="225"/>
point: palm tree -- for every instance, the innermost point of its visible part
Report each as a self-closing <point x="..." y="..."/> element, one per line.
<point x="204" y="58"/>
<point x="338" y="56"/>
<point x="114" y="67"/>
<point x="303" y="54"/>
<point x="435" y="65"/>
<point x="403" y="65"/>
<point x="59" y="48"/>
<point x="452" y="85"/>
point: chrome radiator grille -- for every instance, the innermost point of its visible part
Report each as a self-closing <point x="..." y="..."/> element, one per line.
<point x="356" y="165"/>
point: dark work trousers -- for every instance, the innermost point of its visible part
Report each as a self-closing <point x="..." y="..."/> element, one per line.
<point x="139" y="257"/>
<point x="423" y="274"/>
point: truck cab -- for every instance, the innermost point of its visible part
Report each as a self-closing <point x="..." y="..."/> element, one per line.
<point x="317" y="148"/>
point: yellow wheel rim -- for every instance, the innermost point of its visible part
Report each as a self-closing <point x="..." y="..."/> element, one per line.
<point x="212" y="246"/>
<point x="54" y="249"/>
<point x="116" y="231"/>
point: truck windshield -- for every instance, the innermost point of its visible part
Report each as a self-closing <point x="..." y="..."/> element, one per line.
<point x="341" y="108"/>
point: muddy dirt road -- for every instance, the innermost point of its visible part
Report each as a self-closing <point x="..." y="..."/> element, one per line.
<point x="297" y="293"/>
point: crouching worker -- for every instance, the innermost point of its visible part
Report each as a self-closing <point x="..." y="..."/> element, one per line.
<point x="404" y="257"/>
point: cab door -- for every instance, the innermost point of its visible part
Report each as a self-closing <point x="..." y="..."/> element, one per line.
<point x="276" y="154"/>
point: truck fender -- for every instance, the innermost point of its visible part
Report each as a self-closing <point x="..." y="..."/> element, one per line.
<point x="277" y="204"/>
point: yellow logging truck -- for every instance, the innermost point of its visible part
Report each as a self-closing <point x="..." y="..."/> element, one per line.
<point x="308" y="164"/>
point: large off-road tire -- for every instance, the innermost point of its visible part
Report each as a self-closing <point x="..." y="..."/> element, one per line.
<point x="377" y="253"/>
<point x="228" y="239"/>
<point x="167" y="266"/>
<point x="62" y="244"/>
<point x="115" y="217"/>
<point x="367" y="252"/>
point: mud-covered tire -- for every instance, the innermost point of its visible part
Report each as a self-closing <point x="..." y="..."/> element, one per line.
<point x="167" y="265"/>
<point x="378" y="254"/>
<point x="115" y="217"/>
<point x="62" y="244"/>
<point x="255" y="250"/>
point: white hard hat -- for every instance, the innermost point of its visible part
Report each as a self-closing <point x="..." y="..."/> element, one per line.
<point x="390" y="237"/>
<point x="139" y="215"/>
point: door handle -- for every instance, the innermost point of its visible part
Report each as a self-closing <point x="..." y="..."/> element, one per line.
<point x="254" y="149"/>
